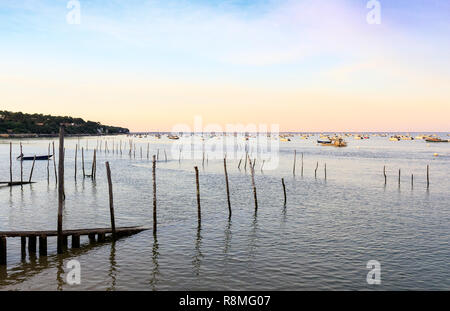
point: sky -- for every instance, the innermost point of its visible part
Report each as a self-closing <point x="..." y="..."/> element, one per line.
<point x="306" y="65"/>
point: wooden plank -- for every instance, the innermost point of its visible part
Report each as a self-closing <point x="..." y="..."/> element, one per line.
<point x="70" y="232"/>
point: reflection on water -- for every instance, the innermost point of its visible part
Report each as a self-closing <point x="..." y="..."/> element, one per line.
<point x="196" y="262"/>
<point x="112" y="269"/>
<point x="155" y="269"/>
<point x="321" y="239"/>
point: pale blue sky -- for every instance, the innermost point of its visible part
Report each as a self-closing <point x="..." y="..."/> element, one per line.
<point x="319" y="45"/>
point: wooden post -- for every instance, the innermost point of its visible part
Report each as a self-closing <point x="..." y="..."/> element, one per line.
<point x="412" y="180"/>
<point x="239" y="165"/>
<point x="227" y="186"/>
<point x="384" y="174"/>
<point x="284" y="190"/>
<point x="154" y="194"/>
<point x="295" y="160"/>
<point x="76" y="151"/>
<point x="32" y="168"/>
<point x="428" y="176"/>
<point x="42" y="245"/>
<point x="399" y="175"/>
<point x="252" y="171"/>
<point x="32" y="244"/>
<point x="315" y="171"/>
<point x="60" y="189"/>
<point x="82" y="161"/>
<point x="23" y="246"/>
<point x="91" y="238"/>
<point x="325" y="171"/>
<point x="75" y="241"/>
<point x="54" y="163"/>
<point x="302" y="164"/>
<point x="101" y="237"/>
<point x="165" y="155"/>
<point x="10" y="163"/>
<point x="94" y="165"/>
<point x="48" y="164"/>
<point x="21" y="166"/>
<point x="111" y="202"/>
<point x="140" y="148"/>
<point x="199" y="214"/>
<point x="3" y="251"/>
<point x="148" y="151"/>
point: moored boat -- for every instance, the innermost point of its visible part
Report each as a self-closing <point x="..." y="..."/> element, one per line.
<point x="436" y="140"/>
<point x="43" y="157"/>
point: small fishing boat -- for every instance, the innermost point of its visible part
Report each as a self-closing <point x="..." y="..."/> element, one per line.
<point x="43" y="157"/>
<point x="335" y="142"/>
<point x="173" y="137"/>
<point x="285" y="139"/>
<point x="436" y="140"/>
<point x="394" y="138"/>
<point x="324" y="141"/>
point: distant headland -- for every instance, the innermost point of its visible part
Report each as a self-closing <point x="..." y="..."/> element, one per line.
<point x="18" y="124"/>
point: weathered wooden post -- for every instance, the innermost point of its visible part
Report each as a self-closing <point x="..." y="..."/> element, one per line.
<point x="32" y="168"/>
<point x="42" y="245"/>
<point x="315" y="171"/>
<point x="325" y="171"/>
<point x="75" y="240"/>
<point x="111" y="202"/>
<point x="284" y="190"/>
<point x="21" y="166"/>
<point x="10" y="163"/>
<point x="76" y="151"/>
<point x="428" y="176"/>
<point x="154" y="195"/>
<point x="295" y="160"/>
<point x="94" y="165"/>
<point x="82" y="161"/>
<point x="384" y="174"/>
<point x="399" y="175"/>
<point x="412" y="180"/>
<point x="3" y="251"/>
<point x="23" y="246"/>
<point x="239" y="165"/>
<point x="302" y="164"/>
<point x="48" y="164"/>
<point x="165" y="155"/>
<point x="252" y="171"/>
<point x="32" y="245"/>
<point x="54" y="163"/>
<point x="199" y="213"/>
<point x="227" y="186"/>
<point x="148" y="151"/>
<point x="60" y="189"/>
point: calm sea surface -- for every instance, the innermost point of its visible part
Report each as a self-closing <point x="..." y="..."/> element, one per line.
<point x="322" y="239"/>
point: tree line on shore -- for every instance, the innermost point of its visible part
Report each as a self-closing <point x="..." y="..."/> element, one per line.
<point x="23" y="123"/>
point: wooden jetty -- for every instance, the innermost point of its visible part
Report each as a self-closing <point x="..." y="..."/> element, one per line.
<point x="96" y="234"/>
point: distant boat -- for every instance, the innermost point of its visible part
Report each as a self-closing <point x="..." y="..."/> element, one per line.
<point x="285" y="139"/>
<point x="436" y="140"/>
<point x="43" y="157"/>
<point x="324" y="141"/>
<point x="173" y="137"/>
<point x="335" y="142"/>
<point x="394" y="138"/>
